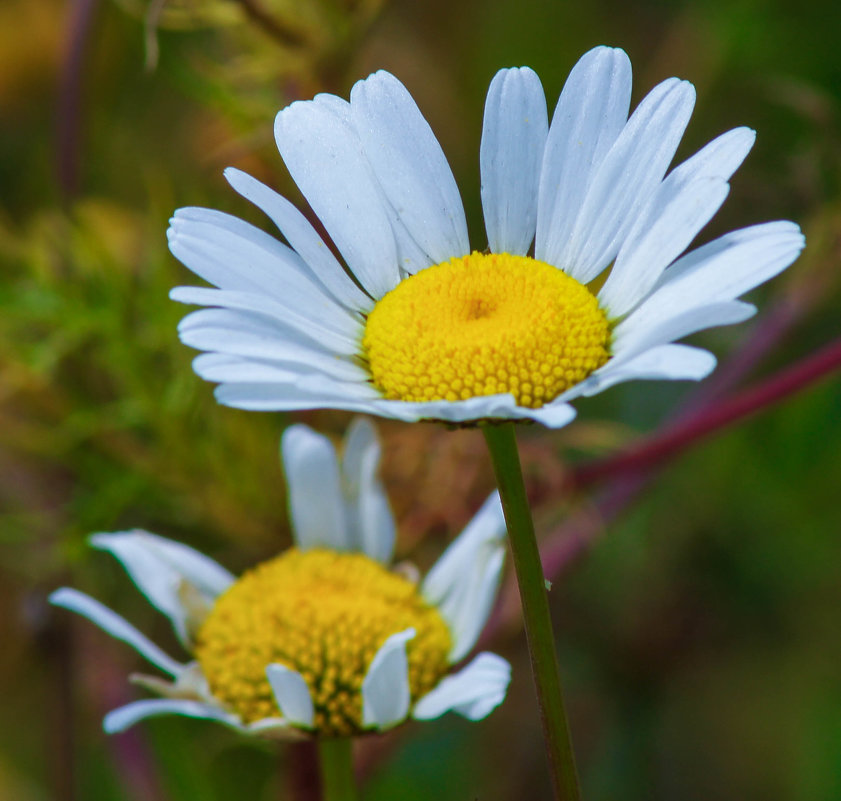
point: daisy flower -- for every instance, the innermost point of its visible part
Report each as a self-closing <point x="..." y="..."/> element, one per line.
<point x="324" y="640"/>
<point x="412" y="323"/>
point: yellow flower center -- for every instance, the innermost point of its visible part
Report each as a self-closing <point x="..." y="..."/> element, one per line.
<point x="484" y="324"/>
<point x="324" y="614"/>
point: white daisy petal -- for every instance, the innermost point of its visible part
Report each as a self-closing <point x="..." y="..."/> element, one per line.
<point x="486" y="406"/>
<point x="345" y="343"/>
<point x="370" y="522"/>
<point x="463" y="582"/>
<point x="385" y="688"/>
<point x="628" y="174"/>
<point x="256" y="263"/>
<point x="222" y="367"/>
<point x="410" y="256"/>
<point x="410" y="166"/>
<point x="664" y="363"/>
<point x="674" y="218"/>
<point x="321" y="392"/>
<point x="511" y="154"/>
<point x="316" y="506"/>
<point x="117" y="626"/>
<point x="684" y="203"/>
<point x="632" y="337"/>
<point x="190" y="684"/>
<point x="303" y="238"/>
<point x="335" y="105"/>
<point x="474" y="692"/>
<point x="177" y="580"/>
<point x="292" y="695"/>
<point x="279" y="396"/>
<point x="289" y="396"/>
<point x="256" y="385"/>
<point x="555" y="414"/>
<point x="718" y="159"/>
<point x="324" y="157"/>
<point x="276" y="728"/>
<point x="591" y="111"/>
<point x="126" y="716"/>
<point x="725" y="268"/>
<point x="237" y="333"/>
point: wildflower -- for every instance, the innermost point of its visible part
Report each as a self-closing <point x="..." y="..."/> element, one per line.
<point x="324" y="640"/>
<point x="418" y="326"/>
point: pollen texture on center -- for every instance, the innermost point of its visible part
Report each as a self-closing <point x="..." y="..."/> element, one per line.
<point x="484" y="324"/>
<point x="324" y="614"/>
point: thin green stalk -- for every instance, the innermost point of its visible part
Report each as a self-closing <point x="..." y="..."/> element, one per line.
<point x="337" y="780"/>
<point x="502" y="445"/>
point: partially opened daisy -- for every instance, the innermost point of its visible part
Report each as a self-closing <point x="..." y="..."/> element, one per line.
<point x="411" y="323"/>
<point x="324" y="640"/>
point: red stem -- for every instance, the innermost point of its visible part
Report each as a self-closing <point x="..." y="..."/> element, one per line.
<point x="69" y="111"/>
<point x="682" y="435"/>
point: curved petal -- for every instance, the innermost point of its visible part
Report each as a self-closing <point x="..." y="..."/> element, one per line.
<point x="555" y="414"/>
<point x="683" y="204"/>
<point x="316" y="506"/>
<point x="303" y="238"/>
<point x="322" y="392"/>
<point x="126" y="716"/>
<point x="675" y="216"/>
<point x="410" y="167"/>
<point x="631" y="338"/>
<point x="117" y="626"/>
<point x="276" y="729"/>
<point x="238" y="333"/>
<point x="296" y="393"/>
<point x="510" y="157"/>
<point x="663" y="363"/>
<point x="223" y="367"/>
<point x="370" y="522"/>
<point x="238" y="257"/>
<point x="190" y="685"/>
<point x="463" y="583"/>
<point x="292" y="695"/>
<point x="720" y="158"/>
<point x="622" y="184"/>
<point x="177" y="580"/>
<point x="724" y="269"/>
<point x="474" y="692"/>
<point x="324" y="156"/>
<point x="385" y="688"/>
<point x="502" y="407"/>
<point x="591" y="111"/>
<point x="311" y="330"/>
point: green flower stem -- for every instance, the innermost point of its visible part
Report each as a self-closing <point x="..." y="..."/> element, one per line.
<point x="502" y="445"/>
<point x="337" y="780"/>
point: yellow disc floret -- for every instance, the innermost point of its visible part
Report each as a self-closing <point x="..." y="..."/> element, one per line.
<point x="484" y="324"/>
<point x="324" y="614"/>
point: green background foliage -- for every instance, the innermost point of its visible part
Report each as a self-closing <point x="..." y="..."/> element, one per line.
<point x="699" y="638"/>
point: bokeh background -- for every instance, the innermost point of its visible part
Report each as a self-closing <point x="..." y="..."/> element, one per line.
<point x="700" y="635"/>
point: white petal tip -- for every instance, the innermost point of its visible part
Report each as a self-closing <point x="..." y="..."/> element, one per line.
<point x="385" y="689"/>
<point x="292" y="695"/>
<point x="474" y="692"/>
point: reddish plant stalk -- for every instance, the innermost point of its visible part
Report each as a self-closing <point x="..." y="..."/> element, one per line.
<point x="680" y="436"/>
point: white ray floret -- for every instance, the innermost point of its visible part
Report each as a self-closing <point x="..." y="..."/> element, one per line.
<point x="176" y="579"/>
<point x="292" y="695"/>
<point x="385" y="689"/>
<point x="473" y="692"/>
<point x="464" y="581"/>
<point x="116" y="626"/>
